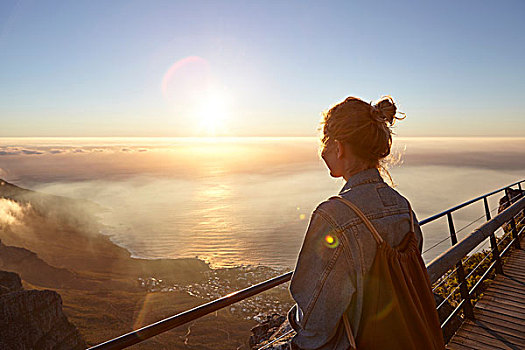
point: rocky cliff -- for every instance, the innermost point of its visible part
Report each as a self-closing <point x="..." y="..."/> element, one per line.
<point x="33" y="319"/>
<point x="34" y="270"/>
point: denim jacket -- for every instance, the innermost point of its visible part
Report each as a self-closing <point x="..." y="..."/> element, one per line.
<point x="337" y="251"/>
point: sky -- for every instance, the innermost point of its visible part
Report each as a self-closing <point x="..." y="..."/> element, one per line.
<point x="257" y="68"/>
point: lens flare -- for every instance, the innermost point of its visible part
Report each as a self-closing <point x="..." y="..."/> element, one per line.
<point x="186" y="78"/>
<point x="387" y="309"/>
<point x="331" y="241"/>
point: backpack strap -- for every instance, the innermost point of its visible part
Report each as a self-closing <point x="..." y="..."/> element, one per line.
<point x="411" y="217"/>
<point x="349" y="333"/>
<point x="359" y="213"/>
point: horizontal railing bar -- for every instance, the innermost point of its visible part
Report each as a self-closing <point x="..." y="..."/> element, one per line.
<point x="440" y="265"/>
<point x="276" y="340"/>
<point x="457" y="207"/>
<point x="449" y="295"/>
<point x="462" y="205"/>
<point x="482" y="278"/>
<point x="453" y="313"/>
<point x="487" y="254"/>
<point x="444" y="279"/>
<point x="177" y="320"/>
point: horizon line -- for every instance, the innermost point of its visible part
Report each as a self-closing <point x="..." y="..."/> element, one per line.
<point x="252" y="136"/>
<point x="245" y="136"/>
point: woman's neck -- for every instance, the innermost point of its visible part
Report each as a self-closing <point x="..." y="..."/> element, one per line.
<point x="351" y="172"/>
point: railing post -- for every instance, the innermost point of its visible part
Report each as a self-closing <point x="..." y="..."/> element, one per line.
<point x="523" y="211"/>
<point x="513" y="226"/>
<point x="451" y="229"/>
<point x="487" y="210"/>
<point x="463" y="288"/>
<point x="515" y="233"/>
<point x="493" y="242"/>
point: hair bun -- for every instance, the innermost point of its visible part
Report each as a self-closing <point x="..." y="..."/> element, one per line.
<point x="384" y="110"/>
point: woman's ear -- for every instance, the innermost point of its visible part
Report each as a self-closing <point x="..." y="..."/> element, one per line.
<point x="340" y="149"/>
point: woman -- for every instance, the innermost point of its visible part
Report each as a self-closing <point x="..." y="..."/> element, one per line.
<point x="352" y="288"/>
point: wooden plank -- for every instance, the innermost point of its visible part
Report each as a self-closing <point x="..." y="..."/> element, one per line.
<point x="514" y="259"/>
<point x="518" y="278"/>
<point x="493" y="311"/>
<point x="515" y="280"/>
<point x="520" y="289"/>
<point x="504" y="309"/>
<point x="508" y="274"/>
<point x="516" y="256"/>
<point x="478" y="344"/>
<point x="507" y="286"/>
<point x="501" y="326"/>
<point x="502" y="277"/>
<point x="499" y="307"/>
<point x="506" y="301"/>
<point x="474" y="335"/>
<point x="509" y="292"/>
<point x="456" y="346"/>
<point x="507" y="321"/>
<point x="514" y="264"/>
<point x="511" y="307"/>
<point x="476" y="330"/>
<point x="511" y="280"/>
<point x="516" y="274"/>
<point x="508" y="280"/>
<point x="513" y="276"/>
<point x="505" y="295"/>
<point x="514" y="271"/>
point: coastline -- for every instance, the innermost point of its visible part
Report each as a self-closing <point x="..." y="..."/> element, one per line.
<point x="106" y="292"/>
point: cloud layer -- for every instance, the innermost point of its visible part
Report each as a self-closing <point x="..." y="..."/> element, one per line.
<point x="47" y="160"/>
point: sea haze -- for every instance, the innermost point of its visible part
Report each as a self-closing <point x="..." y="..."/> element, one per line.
<point x="235" y="201"/>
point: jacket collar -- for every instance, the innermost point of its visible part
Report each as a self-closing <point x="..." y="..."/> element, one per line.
<point x="363" y="177"/>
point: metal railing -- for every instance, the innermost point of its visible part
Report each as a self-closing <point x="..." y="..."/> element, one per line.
<point x="437" y="269"/>
<point x="453" y="256"/>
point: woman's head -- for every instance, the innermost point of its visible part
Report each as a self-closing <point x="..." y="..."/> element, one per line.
<point x="356" y="135"/>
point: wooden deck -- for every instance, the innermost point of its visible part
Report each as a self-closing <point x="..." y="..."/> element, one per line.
<point x="500" y="314"/>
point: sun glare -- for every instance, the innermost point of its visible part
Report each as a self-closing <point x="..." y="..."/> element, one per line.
<point x="191" y="91"/>
<point x="212" y="114"/>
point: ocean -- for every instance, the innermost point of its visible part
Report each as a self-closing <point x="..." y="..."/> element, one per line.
<point x="247" y="201"/>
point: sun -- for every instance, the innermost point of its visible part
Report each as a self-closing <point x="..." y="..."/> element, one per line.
<point x="192" y="91"/>
<point x="212" y="113"/>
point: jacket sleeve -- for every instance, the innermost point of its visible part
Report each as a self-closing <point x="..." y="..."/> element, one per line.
<point x="322" y="286"/>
